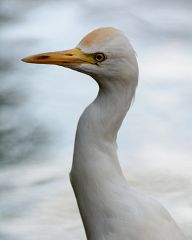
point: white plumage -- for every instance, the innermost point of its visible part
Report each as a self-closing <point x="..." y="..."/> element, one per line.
<point x="110" y="208"/>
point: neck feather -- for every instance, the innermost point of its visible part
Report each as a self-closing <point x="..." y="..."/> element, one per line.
<point x="95" y="163"/>
<point x="98" y="127"/>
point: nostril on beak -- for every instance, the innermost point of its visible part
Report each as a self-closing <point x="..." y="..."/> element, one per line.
<point x="69" y="54"/>
<point x="42" y="57"/>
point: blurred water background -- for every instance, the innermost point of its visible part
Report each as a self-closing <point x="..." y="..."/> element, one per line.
<point x="40" y="106"/>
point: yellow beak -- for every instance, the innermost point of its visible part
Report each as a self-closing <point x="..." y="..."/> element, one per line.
<point x="70" y="58"/>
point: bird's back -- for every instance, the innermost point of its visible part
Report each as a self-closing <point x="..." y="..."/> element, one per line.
<point x="139" y="217"/>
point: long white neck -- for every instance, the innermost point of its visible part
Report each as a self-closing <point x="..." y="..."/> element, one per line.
<point x="95" y="162"/>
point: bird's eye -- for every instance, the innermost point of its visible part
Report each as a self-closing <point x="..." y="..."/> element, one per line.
<point x="99" y="57"/>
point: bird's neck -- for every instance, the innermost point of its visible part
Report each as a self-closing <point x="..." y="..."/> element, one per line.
<point x="95" y="143"/>
<point x="95" y="159"/>
<point x="95" y="163"/>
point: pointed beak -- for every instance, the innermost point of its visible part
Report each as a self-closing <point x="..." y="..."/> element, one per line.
<point x="69" y="58"/>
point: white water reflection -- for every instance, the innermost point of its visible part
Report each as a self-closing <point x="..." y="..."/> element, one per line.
<point x="40" y="106"/>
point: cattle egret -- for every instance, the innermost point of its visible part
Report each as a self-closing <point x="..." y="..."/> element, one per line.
<point x="110" y="208"/>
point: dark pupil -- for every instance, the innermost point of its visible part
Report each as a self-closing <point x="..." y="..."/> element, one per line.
<point x="99" y="57"/>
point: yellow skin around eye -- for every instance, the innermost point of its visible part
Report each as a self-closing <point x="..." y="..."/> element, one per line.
<point x="100" y="57"/>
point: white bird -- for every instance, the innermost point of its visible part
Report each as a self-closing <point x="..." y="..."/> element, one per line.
<point x="110" y="208"/>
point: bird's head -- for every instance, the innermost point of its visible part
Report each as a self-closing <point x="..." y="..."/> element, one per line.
<point x="103" y="54"/>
